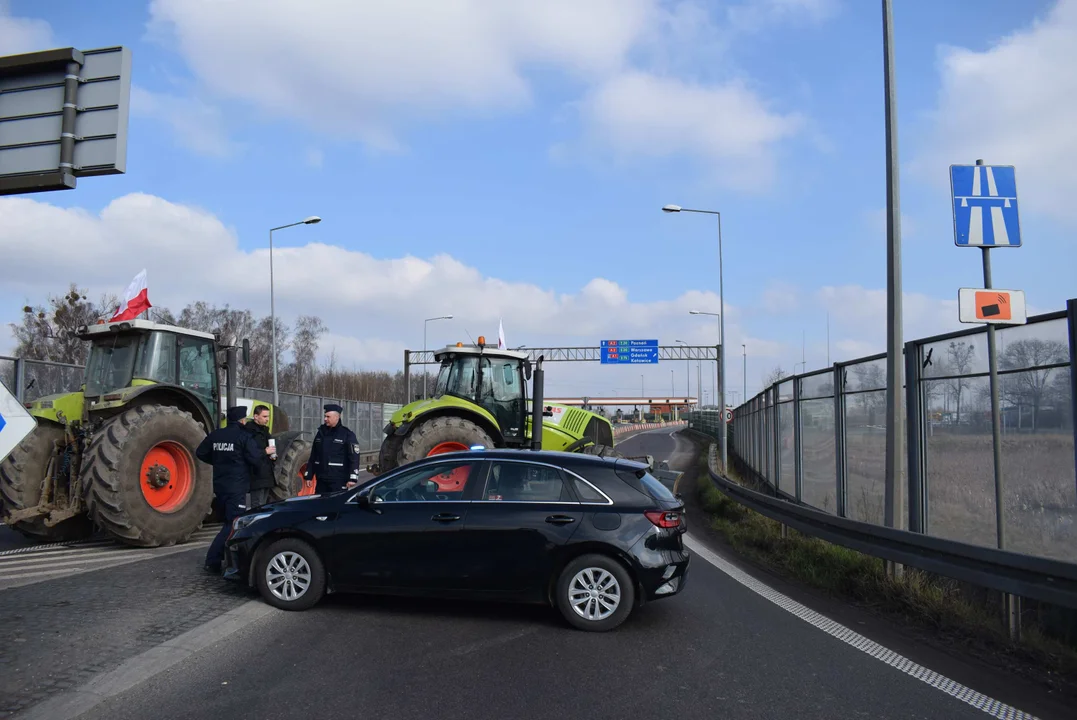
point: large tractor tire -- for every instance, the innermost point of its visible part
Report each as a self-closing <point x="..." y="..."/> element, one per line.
<point x="22" y="475"/>
<point x="440" y="435"/>
<point x="142" y="482"/>
<point x="389" y="453"/>
<point x="289" y="472"/>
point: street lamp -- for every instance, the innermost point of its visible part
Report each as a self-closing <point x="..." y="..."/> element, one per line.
<point x="440" y="317"/>
<point x="687" y="371"/>
<point x="722" y="321"/>
<point x="312" y="220"/>
<point x="744" y="370"/>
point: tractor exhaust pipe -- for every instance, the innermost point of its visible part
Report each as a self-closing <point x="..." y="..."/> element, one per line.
<point x="231" y="366"/>
<point x="536" y="406"/>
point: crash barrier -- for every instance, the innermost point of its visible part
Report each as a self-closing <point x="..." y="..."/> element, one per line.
<point x="826" y="449"/>
<point x="622" y="429"/>
<point x="1027" y="576"/>
<point x="31" y="379"/>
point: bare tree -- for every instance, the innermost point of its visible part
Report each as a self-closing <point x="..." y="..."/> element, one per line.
<point x="48" y="333"/>
<point x="308" y="331"/>
<point x="960" y="356"/>
<point x="774" y="376"/>
<point x="1033" y="385"/>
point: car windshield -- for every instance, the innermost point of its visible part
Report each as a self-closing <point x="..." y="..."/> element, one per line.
<point x="457" y="377"/>
<point x="111" y="364"/>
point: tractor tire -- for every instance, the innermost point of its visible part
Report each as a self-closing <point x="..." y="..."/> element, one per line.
<point x="289" y="472"/>
<point x="601" y="451"/>
<point x="117" y="484"/>
<point x="389" y="453"/>
<point x="22" y="475"/>
<point x="440" y="435"/>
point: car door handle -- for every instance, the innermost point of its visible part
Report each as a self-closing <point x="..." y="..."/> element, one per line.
<point x="445" y="517"/>
<point x="560" y="519"/>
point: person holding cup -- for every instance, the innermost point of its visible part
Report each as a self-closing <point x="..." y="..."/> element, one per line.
<point x="262" y="480"/>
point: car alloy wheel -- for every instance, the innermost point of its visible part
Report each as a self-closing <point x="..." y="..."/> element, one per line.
<point x="288" y="576"/>
<point x="594" y="594"/>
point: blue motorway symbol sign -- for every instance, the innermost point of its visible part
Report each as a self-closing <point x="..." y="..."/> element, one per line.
<point x="985" y="206"/>
<point x="629" y="352"/>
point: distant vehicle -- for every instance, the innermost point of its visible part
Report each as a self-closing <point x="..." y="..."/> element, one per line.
<point x="593" y="537"/>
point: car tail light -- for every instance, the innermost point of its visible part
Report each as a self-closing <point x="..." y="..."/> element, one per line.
<point x="664" y="519"/>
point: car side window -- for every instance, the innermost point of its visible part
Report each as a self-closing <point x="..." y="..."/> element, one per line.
<point x="526" y="482"/>
<point x="587" y="493"/>
<point x="431" y="483"/>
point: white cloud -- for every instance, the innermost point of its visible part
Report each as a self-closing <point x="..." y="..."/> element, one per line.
<point x="369" y="69"/>
<point x="860" y="312"/>
<point x="198" y="126"/>
<point x="756" y="14"/>
<point x="781" y="297"/>
<point x="1013" y="104"/>
<point x="637" y="114"/>
<point x="373" y="307"/>
<point x="23" y="35"/>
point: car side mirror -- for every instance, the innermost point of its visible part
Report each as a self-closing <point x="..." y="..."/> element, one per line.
<point x="363" y="500"/>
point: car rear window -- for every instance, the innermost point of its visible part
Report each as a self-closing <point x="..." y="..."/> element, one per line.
<point x="644" y="482"/>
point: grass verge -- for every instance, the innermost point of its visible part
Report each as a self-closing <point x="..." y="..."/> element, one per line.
<point x="929" y="601"/>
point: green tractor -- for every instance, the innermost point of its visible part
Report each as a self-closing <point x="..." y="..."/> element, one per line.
<point x="481" y="399"/>
<point x="119" y="453"/>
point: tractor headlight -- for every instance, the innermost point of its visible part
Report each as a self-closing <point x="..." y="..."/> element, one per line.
<point x="246" y="520"/>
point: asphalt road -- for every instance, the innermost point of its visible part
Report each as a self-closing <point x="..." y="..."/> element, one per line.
<point x="725" y="647"/>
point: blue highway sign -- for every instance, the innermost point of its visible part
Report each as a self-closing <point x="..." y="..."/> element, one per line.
<point x="15" y="422"/>
<point x="629" y="352"/>
<point x="985" y="206"/>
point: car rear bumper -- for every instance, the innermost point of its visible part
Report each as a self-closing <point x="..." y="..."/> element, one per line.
<point x="668" y="580"/>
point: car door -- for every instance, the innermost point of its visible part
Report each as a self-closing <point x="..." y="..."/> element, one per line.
<point x="525" y="515"/>
<point x="408" y="537"/>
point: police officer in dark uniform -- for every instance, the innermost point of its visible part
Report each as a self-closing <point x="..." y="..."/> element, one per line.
<point x="334" y="456"/>
<point x="233" y="453"/>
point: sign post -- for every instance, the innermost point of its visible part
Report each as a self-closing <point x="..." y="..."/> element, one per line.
<point x="990" y="220"/>
<point x="15" y="422"/>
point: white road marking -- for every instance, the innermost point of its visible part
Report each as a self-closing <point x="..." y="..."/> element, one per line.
<point x="992" y="707"/>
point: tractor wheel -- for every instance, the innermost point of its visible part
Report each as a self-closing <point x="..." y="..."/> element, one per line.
<point x="22" y="475"/>
<point x="142" y="482"/>
<point x="389" y="453"/>
<point x="289" y="472"/>
<point x="441" y="435"/>
<point x="601" y="451"/>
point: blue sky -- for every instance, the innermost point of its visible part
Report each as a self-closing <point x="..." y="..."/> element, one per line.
<point x="536" y="148"/>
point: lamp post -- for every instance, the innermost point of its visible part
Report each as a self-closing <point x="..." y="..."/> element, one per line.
<point x="427" y="320"/>
<point x="744" y="370"/>
<point x="312" y="220"/>
<point x="721" y="372"/>
<point x="687" y="371"/>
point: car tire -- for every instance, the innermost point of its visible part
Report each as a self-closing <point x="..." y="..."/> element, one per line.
<point x="577" y="577"/>
<point x="298" y="556"/>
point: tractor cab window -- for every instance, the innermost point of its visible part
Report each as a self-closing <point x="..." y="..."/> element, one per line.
<point x="197" y="369"/>
<point x="502" y="393"/>
<point x="457" y="377"/>
<point x="111" y="364"/>
<point x="157" y="358"/>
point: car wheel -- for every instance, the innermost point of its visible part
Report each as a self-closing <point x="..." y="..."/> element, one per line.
<point x="595" y="593"/>
<point x="290" y="575"/>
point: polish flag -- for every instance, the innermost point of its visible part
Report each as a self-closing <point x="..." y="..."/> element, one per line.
<point x="500" y="335"/>
<point x="135" y="300"/>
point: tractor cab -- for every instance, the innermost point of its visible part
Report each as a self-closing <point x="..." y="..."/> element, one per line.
<point x="493" y="379"/>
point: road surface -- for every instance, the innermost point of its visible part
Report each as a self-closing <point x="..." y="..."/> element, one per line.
<point x="158" y="638"/>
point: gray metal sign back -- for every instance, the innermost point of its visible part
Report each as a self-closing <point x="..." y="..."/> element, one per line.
<point x="63" y="115"/>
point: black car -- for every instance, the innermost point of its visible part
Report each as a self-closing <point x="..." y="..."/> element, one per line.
<point x="594" y="537"/>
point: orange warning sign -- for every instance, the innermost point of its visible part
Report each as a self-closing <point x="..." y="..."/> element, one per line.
<point x="993" y="305"/>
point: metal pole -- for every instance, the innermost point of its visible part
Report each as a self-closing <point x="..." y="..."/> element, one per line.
<point x="744" y="371"/>
<point x="895" y="424"/>
<point x="67" y="121"/>
<point x="721" y="349"/>
<point x="425" y="323"/>
<point x="272" y="324"/>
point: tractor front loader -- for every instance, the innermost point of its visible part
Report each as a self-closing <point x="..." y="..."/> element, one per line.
<point x="118" y="454"/>
<point x="481" y="399"/>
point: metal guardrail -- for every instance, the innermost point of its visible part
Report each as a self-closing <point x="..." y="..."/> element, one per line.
<point x="1051" y="581"/>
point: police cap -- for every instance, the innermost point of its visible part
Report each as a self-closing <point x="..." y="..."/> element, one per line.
<point x="333" y="407"/>
<point x="237" y="413"/>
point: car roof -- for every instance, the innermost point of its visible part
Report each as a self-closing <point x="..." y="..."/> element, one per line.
<point x="567" y="459"/>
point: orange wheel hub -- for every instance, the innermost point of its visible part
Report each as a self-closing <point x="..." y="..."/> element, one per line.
<point x="167" y="476"/>
<point x="306" y="487"/>
<point x="454" y="480"/>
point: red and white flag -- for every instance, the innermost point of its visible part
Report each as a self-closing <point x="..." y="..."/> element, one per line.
<point x="500" y="335"/>
<point x="136" y="299"/>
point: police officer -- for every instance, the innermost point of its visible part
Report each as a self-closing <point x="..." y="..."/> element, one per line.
<point x="233" y="453"/>
<point x="334" y="455"/>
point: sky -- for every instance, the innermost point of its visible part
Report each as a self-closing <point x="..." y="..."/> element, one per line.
<point x="508" y="159"/>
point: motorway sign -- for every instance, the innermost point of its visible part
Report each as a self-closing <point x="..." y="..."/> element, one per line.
<point x="991" y="306"/>
<point x="629" y="352"/>
<point x="985" y="206"/>
<point x="15" y="422"/>
<point x="63" y="116"/>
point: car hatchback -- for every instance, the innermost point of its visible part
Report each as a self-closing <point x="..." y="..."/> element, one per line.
<point x="593" y="537"/>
